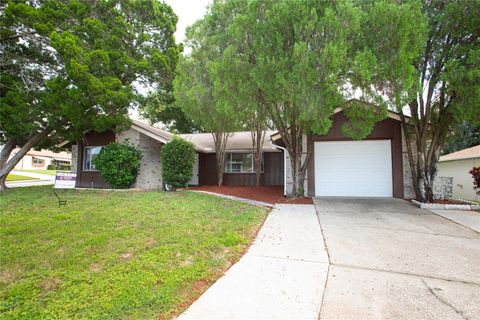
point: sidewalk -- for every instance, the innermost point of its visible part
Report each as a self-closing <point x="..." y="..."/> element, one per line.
<point x="44" y="179"/>
<point x="35" y="175"/>
<point x="27" y="183"/>
<point x="282" y="276"/>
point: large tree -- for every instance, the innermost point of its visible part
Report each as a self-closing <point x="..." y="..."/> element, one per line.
<point x="448" y="86"/>
<point x="70" y="66"/>
<point x="305" y="58"/>
<point x="198" y="85"/>
<point x="160" y="106"/>
<point x="238" y="83"/>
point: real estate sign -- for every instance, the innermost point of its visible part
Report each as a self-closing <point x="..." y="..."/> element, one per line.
<point x="65" y="180"/>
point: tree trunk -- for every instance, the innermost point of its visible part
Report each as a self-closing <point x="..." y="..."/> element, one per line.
<point x="7" y="165"/>
<point x="294" y="146"/>
<point x="433" y="153"/>
<point x="415" y="164"/>
<point x="258" y="137"/>
<point x="297" y="187"/>
<point x="220" y="138"/>
<point x="429" y="139"/>
<point x="4" y="154"/>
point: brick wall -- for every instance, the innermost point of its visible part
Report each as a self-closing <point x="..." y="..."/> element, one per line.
<point x="74" y="158"/>
<point x="150" y="174"/>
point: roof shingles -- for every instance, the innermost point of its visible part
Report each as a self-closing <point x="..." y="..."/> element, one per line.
<point x="473" y="152"/>
<point x="237" y="141"/>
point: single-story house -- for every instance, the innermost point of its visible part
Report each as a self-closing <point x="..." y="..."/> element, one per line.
<point x="41" y="159"/>
<point x="374" y="167"/>
<point x="457" y="165"/>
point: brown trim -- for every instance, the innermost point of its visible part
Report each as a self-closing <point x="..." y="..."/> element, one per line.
<point x="388" y="129"/>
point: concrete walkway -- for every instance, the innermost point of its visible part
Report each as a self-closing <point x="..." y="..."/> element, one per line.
<point x="282" y="276"/>
<point x="469" y="219"/>
<point x="44" y="179"/>
<point x="40" y="176"/>
<point x="224" y="196"/>
<point x="28" y="183"/>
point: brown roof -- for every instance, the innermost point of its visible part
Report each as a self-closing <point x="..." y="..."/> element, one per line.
<point x="47" y="154"/>
<point x="473" y="152"/>
<point x="237" y="141"/>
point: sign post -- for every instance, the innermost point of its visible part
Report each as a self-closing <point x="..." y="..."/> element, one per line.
<point x="64" y="180"/>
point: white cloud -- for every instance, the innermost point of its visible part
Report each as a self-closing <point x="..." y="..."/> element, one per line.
<point x="188" y="11"/>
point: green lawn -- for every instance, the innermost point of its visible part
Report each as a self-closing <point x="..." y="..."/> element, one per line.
<point x="115" y="255"/>
<point x="48" y="172"/>
<point x="17" y="177"/>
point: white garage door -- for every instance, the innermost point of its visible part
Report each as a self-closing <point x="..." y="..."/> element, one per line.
<point x="353" y="168"/>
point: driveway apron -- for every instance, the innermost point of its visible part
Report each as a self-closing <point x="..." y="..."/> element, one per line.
<point x="282" y="276"/>
<point x="391" y="260"/>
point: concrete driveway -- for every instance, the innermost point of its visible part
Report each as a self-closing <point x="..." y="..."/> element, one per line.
<point x="391" y="260"/>
<point x="351" y="259"/>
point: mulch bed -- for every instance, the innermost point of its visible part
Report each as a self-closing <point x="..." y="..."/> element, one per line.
<point x="267" y="194"/>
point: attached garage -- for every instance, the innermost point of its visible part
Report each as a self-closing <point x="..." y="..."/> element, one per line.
<point x="353" y="168"/>
<point x="373" y="167"/>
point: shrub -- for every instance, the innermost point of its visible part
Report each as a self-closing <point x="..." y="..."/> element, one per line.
<point x="51" y="166"/>
<point x="64" y="167"/>
<point x="118" y="163"/>
<point x="178" y="158"/>
<point x="475" y="172"/>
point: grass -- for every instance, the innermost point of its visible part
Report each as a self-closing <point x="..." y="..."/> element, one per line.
<point x="47" y="172"/>
<point x="17" y="177"/>
<point x="115" y="255"/>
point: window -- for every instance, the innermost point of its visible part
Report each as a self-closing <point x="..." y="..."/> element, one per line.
<point x="240" y="163"/>
<point x="89" y="153"/>
<point x="38" y="162"/>
<point x="61" y="162"/>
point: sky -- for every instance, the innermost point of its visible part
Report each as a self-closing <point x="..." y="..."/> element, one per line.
<point x="188" y="11"/>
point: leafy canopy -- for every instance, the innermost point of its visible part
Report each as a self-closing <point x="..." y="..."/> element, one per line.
<point x="197" y="86"/>
<point x="118" y="164"/>
<point x="464" y="135"/>
<point x="162" y="107"/>
<point x="72" y="66"/>
<point x="446" y="89"/>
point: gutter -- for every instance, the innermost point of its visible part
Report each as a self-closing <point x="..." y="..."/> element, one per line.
<point x="284" y="166"/>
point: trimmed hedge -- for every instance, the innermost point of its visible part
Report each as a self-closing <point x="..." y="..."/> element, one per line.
<point x="119" y="164"/>
<point x="178" y="158"/>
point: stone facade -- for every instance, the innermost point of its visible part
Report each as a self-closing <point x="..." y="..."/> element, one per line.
<point x="129" y="136"/>
<point x="288" y="169"/>
<point x="150" y="174"/>
<point x="74" y="158"/>
<point x="408" y="191"/>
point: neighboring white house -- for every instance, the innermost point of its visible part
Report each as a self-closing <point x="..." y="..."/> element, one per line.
<point x="457" y="165"/>
<point x="39" y="160"/>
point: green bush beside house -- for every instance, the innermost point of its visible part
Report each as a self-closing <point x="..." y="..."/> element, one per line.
<point x="178" y="158"/>
<point x="118" y="164"/>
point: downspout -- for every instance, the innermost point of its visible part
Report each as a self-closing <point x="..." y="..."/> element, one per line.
<point x="284" y="166"/>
